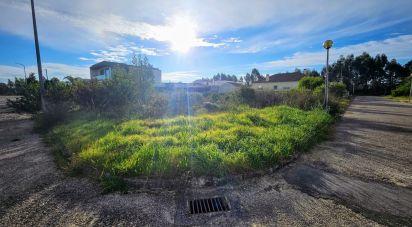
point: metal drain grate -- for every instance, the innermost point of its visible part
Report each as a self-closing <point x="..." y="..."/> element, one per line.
<point x="200" y="206"/>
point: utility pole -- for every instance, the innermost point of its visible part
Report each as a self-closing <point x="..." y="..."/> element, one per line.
<point x="39" y="69"/>
<point x="24" y="68"/>
<point x="327" y="45"/>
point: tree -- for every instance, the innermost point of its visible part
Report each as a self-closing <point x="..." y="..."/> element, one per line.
<point x="225" y="77"/>
<point x="310" y="83"/>
<point x="395" y="73"/>
<point x="255" y="75"/>
<point x="248" y="79"/>
<point x="408" y="67"/>
<point x="28" y="90"/>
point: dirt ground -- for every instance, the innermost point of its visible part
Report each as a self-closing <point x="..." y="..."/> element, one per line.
<point x="361" y="176"/>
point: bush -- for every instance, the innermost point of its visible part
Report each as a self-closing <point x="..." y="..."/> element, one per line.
<point x="211" y="107"/>
<point x="7" y="89"/>
<point x="338" y="89"/>
<point x="403" y="89"/>
<point x="225" y="101"/>
<point x="28" y="90"/>
<point x="310" y="83"/>
<point x="268" y="98"/>
<point x="247" y="95"/>
<point x="337" y="106"/>
<point x="303" y="99"/>
<point x="155" y="108"/>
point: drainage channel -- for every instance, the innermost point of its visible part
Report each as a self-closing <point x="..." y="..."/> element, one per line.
<point x="200" y="206"/>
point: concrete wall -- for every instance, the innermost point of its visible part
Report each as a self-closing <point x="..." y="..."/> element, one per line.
<point x="281" y="86"/>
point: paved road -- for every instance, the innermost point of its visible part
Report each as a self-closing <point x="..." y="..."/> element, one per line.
<point x="362" y="176"/>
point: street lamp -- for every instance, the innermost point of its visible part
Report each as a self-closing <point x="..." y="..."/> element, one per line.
<point x="24" y="68"/>
<point x="327" y="45"/>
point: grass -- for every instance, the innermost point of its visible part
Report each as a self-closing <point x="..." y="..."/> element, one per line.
<point x="210" y="144"/>
<point x="398" y="98"/>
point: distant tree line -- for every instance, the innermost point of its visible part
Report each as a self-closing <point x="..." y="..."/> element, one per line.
<point x="362" y="74"/>
<point x="225" y="77"/>
<point x="365" y="74"/>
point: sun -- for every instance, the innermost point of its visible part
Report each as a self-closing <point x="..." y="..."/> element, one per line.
<point x="182" y="34"/>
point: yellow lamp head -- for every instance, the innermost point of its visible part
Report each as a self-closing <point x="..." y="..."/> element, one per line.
<point x="327" y="44"/>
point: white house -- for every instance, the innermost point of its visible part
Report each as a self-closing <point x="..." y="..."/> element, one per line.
<point x="103" y="70"/>
<point x="219" y="86"/>
<point x="279" y="82"/>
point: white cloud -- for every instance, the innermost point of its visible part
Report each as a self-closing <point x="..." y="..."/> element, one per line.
<point x="95" y="24"/>
<point x="122" y="53"/>
<point x="53" y="70"/>
<point x="181" y="76"/>
<point x="398" y="47"/>
<point x="232" y="40"/>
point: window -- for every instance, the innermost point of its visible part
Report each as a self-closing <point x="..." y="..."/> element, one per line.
<point x="101" y="72"/>
<point x="275" y="87"/>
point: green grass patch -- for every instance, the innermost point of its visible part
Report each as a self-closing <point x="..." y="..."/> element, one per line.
<point x="210" y="144"/>
<point x="398" y="98"/>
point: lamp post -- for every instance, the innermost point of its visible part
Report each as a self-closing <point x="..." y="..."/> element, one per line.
<point x="24" y="68"/>
<point x="327" y="45"/>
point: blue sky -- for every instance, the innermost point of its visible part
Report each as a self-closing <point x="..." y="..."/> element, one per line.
<point x="188" y="40"/>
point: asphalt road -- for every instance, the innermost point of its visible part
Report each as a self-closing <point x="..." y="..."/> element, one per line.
<point x="361" y="176"/>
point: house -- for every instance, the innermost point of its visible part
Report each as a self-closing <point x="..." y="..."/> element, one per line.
<point x="279" y="82"/>
<point x="219" y="86"/>
<point x="103" y="70"/>
<point x="202" y="86"/>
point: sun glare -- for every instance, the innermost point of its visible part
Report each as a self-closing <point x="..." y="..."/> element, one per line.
<point x="183" y="34"/>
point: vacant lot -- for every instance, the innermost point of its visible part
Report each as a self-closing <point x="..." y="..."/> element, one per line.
<point x="210" y="144"/>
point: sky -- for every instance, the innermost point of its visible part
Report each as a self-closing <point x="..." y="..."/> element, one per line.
<point x="189" y="40"/>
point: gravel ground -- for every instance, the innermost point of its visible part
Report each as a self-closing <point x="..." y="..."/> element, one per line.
<point x="360" y="177"/>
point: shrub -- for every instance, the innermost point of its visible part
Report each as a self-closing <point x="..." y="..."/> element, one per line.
<point x="302" y="98"/>
<point x="337" y="106"/>
<point x="225" y="101"/>
<point x="310" y="83"/>
<point x="211" y="107"/>
<point x="28" y="90"/>
<point x="156" y="107"/>
<point x="268" y="98"/>
<point x="7" y="89"/>
<point x="338" y="89"/>
<point x="247" y="95"/>
<point x="403" y="89"/>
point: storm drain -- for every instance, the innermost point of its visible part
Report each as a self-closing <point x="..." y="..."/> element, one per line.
<point x="200" y="206"/>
